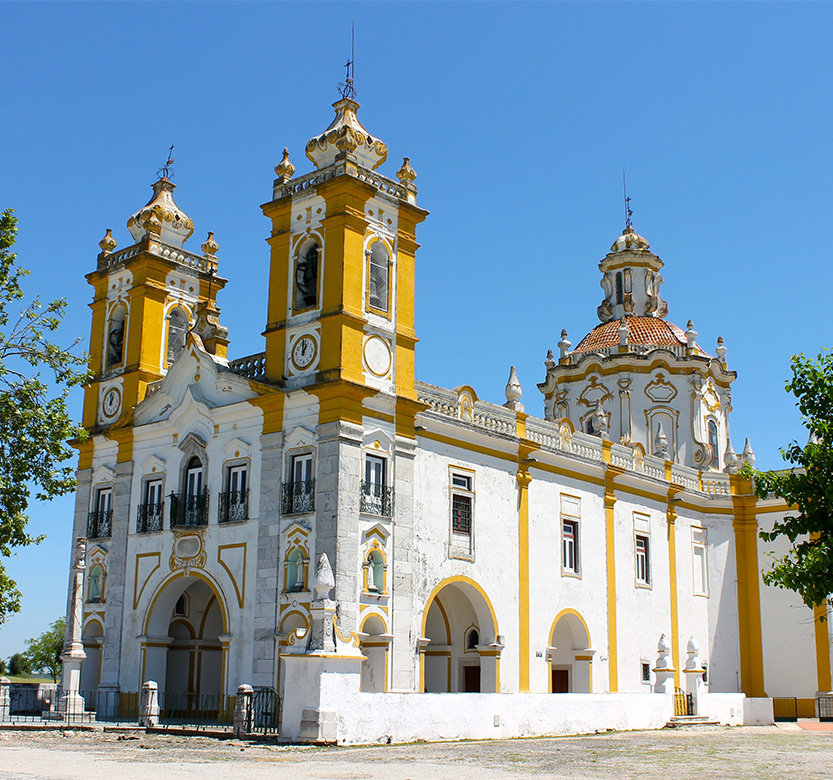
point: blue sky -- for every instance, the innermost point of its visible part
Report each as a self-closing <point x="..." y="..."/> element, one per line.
<point x="517" y="117"/>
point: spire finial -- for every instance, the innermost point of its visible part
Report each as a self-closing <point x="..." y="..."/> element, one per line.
<point x="628" y="212"/>
<point x="167" y="171"/>
<point x="348" y="88"/>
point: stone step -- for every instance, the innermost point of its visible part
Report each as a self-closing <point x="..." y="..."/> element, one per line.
<point x="688" y="721"/>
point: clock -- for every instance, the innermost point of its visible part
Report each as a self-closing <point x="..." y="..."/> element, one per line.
<point x="377" y="356"/>
<point x="303" y="352"/>
<point x="112" y="402"/>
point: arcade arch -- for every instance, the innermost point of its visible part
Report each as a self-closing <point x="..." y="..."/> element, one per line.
<point x="569" y="655"/>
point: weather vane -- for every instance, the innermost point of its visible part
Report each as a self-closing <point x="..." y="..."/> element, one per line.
<point x="347" y="88"/>
<point x="628" y="212"/>
<point x="166" y="171"/>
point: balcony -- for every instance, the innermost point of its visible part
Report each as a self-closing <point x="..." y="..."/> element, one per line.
<point x="100" y="524"/>
<point x="234" y="506"/>
<point x="298" y="497"/>
<point x="376" y="499"/>
<point x="149" y="518"/>
<point x="189" y="510"/>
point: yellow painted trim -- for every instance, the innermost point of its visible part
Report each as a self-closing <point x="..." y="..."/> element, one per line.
<point x="240" y="591"/>
<point x="200" y="575"/>
<point x="610" y="544"/>
<point x="671" y="517"/>
<point x="137" y="592"/>
<point x="821" y="630"/>
<point x="523" y="477"/>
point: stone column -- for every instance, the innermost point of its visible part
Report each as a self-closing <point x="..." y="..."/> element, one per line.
<point x="71" y="702"/>
<point x="243" y="711"/>
<point x="149" y="705"/>
<point x="5" y="699"/>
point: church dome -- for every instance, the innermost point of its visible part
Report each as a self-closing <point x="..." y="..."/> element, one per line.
<point x="346" y="134"/>
<point x="642" y="332"/>
<point x="162" y="217"/>
<point x="630" y="241"/>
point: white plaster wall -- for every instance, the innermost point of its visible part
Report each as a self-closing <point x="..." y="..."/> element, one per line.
<point x="757" y="712"/>
<point x="730" y="709"/>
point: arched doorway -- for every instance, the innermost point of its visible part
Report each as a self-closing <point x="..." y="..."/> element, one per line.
<point x="185" y="642"/>
<point x="569" y="654"/>
<point x="460" y="644"/>
<point x="92" y="639"/>
<point x="374" y="643"/>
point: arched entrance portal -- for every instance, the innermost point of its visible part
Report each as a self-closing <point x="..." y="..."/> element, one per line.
<point x="569" y="654"/>
<point x="375" y="642"/>
<point x="460" y="647"/>
<point x="92" y="640"/>
<point x="185" y="643"/>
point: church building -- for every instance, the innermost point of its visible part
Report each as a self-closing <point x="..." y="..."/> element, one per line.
<point x="316" y="520"/>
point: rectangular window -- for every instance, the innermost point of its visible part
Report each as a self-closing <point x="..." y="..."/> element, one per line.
<point x="378" y="277"/>
<point x="234" y="503"/>
<point x="461" y="493"/>
<point x="99" y="521"/>
<point x="153" y="492"/>
<point x="570" y="516"/>
<point x="301" y="470"/>
<point x="299" y="489"/>
<point x="151" y="509"/>
<point x="699" y="562"/>
<point x="103" y="500"/>
<point x="376" y="497"/>
<point x="646" y="673"/>
<point x="375" y="470"/>
<point x="643" y="560"/>
<point x="569" y="546"/>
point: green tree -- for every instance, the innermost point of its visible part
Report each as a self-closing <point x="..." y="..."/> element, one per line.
<point x="18" y="665"/>
<point x="34" y="423"/>
<point x="807" y="488"/>
<point x="43" y="653"/>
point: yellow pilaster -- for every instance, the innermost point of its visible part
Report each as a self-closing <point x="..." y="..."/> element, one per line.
<point x="821" y="627"/>
<point x="671" y="515"/>
<point x="524" y="478"/>
<point x="610" y="541"/>
<point x="745" y="527"/>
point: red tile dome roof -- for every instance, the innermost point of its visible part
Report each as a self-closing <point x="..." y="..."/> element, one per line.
<point x="647" y="331"/>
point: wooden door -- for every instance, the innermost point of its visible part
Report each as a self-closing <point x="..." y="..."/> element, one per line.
<point x="560" y="681"/>
<point x="471" y="679"/>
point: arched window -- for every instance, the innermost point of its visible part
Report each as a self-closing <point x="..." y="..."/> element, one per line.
<point x="713" y="443"/>
<point x="178" y="324"/>
<point x="472" y="640"/>
<point x="306" y="276"/>
<point x="182" y="605"/>
<point x="95" y="589"/>
<point x="378" y="277"/>
<point x="115" y="337"/>
<point x="375" y="572"/>
<point x="194" y="477"/>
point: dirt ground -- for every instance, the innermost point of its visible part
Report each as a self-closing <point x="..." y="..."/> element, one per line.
<point x="752" y="753"/>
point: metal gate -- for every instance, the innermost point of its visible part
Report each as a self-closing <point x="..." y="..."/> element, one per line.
<point x="265" y="710"/>
<point x="825" y="708"/>
<point x="785" y="709"/>
<point x="683" y="703"/>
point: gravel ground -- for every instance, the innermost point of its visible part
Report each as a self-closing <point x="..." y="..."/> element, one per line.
<point x="753" y="753"/>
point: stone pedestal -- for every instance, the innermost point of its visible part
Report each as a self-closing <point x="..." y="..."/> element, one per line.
<point x="5" y="699"/>
<point x="694" y="672"/>
<point x="664" y="670"/>
<point x="71" y="703"/>
<point x="149" y="705"/>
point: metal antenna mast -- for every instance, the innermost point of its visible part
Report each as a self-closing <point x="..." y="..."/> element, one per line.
<point x="166" y="171"/>
<point x="628" y="212"/>
<point x="347" y="89"/>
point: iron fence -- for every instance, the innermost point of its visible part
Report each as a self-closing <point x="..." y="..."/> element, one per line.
<point x="189" y="509"/>
<point x="149" y="518"/>
<point x="785" y="709"/>
<point x="265" y="711"/>
<point x="234" y="506"/>
<point x="99" y="524"/>
<point x="376" y="499"/>
<point x="196" y="710"/>
<point x="33" y="703"/>
<point x="825" y="708"/>
<point x="298" y="497"/>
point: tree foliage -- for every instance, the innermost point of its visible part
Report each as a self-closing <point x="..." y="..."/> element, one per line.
<point x="43" y="653"/>
<point x="34" y="423"/>
<point x="18" y="665"/>
<point x="807" y="488"/>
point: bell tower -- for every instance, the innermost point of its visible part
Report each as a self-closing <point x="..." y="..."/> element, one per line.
<point x="147" y="297"/>
<point x="341" y="284"/>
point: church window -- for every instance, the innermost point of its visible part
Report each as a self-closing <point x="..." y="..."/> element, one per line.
<point x="95" y="590"/>
<point x="620" y="294"/>
<point x="462" y="504"/>
<point x="699" y="562"/>
<point x="181" y="606"/>
<point x="570" y="515"/>
<point x="378" y="277"/>
<point x="306" y="276"/>
<point x="178" y="324"/>
<point x="643" y="560"/>
<point x="115" y="337"/>
<point x="713" y="444"/>
<point x="472" y="640"/>
<point x="191" y="508"/>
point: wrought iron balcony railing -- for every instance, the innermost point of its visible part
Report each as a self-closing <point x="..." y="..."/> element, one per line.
<point x="189" y="510"/>
<point x="376" y="499"/>
<point x="234" y="506"/>
<point x="298" y="497"/>
<point x="100" y="524"/>
<point x="149" y="518"/>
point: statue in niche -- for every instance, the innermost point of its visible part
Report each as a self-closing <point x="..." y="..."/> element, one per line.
<point x="115" y="342"/>
<point x="306" y="278"/>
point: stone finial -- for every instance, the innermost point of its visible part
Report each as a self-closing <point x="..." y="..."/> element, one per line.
<point x="210" y="246"/>
<point x="663" y="653"/>
<point x="599" y="420"/>
<point x="661" y="443"/>
<point x="108" y="243"/>
<point x="564" y="345"/>
<point x="324" y="581"/>
<point x="721" y="350"/>
<point x="693" y="663"/>
<point x="285" y="169"/>
<point x="514" y="392"/>
<point x="748" y="456"/>
<point x="730" y="458"/>
<point x="624" y="332"/>
<point x="406" y="174"/>
<point x="550" y="361"/>
<point x="691" y="335"/>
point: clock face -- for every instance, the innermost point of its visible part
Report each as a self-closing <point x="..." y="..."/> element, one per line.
<point x="112" y="402"/>
<point x="303" y="353"/>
